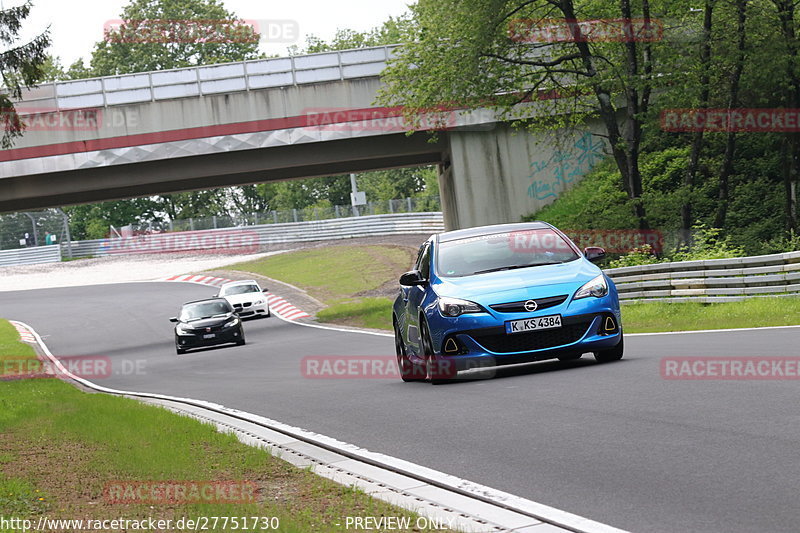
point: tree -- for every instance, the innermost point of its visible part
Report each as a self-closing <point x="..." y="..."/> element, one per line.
<point x="787" y="15"/>
<point x="393" y="31"/>
<point x="20" y="67"/>
<point x="478" y="53"/>
<point x="167" y="34"/>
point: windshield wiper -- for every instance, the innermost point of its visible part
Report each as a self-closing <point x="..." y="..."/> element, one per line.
<point x="513" y="267"/>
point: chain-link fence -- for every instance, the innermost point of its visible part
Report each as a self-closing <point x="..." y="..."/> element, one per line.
<point x="51" y="226"/>
<point x="34" y="228"/>
<point x="404" y="205"/>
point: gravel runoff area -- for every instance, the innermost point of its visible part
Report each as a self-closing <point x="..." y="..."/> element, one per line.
<point x="148" y="267"/>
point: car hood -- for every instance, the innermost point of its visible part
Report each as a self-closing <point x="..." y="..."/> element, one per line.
<point x="208" y="322"/>
<point x="246" y="297"/>
<point x="519" y="284"/>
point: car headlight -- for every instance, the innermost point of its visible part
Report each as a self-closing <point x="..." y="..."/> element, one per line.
<point x="184" y="330"/>
<point x="258" y="302"/>
<point x="597" y="287"/>
<point x="453" y="307"/>
<point x="231" y="323"/>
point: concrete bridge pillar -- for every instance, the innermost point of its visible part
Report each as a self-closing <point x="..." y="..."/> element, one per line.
<point x="500" y="175"/>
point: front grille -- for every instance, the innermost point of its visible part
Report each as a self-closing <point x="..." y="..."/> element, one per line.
<point x="242" y="305"/>
<point x="202" y="330"/>
<point x="519" y="307"/>
<point x="496" y="340"/>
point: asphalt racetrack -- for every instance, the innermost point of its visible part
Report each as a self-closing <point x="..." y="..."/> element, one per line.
<point x="616" y="443"/>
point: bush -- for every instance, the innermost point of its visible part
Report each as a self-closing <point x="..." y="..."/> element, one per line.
<point x="638" y="256"/>
<point x="707" y="243"/>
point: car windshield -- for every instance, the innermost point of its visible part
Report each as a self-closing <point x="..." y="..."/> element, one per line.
<point x="239" y="289"/>
<point x="204" y="310"/>
<point x="502" y="251"/>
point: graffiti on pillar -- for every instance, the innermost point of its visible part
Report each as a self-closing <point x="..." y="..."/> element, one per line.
<point x="550" y="177"/>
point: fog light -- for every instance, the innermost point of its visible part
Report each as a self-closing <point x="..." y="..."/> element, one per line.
<point x="450" y="346"/>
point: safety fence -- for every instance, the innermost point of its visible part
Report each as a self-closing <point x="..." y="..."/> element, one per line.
<point x="711" y="280"/>
<point x="252" y="239"/>
<point x="30" y="256"/>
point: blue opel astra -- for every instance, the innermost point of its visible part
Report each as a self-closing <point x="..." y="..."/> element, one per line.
<point x="504" y="294"/>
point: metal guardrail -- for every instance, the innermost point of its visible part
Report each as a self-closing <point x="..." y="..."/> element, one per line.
<point x="31" y="256"/>
<point x="272" y="234"/>
<point x="709" y="281"/>
<point x="209" y="79"/>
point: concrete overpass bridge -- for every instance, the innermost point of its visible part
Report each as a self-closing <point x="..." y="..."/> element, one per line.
<point x="273" y="119"/>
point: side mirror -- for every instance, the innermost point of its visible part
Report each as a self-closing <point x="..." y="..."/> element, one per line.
<point x="173" y="319"/>
<point x="265" y="289"/>
<point x="411" y="278"/>
<point x="594" y="253"/>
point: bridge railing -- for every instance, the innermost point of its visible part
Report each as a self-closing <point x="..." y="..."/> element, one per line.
<point x="709" y="281"/>
<point x="209" y="79"/>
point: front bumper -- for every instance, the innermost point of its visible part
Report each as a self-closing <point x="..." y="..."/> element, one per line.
<point x="197" y="340"/>
<point x="248" y="309"/>
<point x="480" y="340"/>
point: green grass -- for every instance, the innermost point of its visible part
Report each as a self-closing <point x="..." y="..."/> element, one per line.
<point x="334" y="272"/>
<point x="59" y="447"/>
<point x="12" y="351"/>
<point x="368" y="312"/>
<point x="754" y="312"/>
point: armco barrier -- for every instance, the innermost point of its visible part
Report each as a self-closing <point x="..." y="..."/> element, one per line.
<point x="319" y="230"/>
<point x="30" y="256"/>
<point x="712" y="280"/>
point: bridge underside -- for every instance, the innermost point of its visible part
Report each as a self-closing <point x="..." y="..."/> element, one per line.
<point x="218" y="170"/>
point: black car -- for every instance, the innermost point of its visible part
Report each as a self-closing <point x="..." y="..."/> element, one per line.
<point x="206" y="323"/>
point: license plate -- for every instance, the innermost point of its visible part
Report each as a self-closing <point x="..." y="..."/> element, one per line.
<point x="533" y="324"/>
<point x="209" y="336"/>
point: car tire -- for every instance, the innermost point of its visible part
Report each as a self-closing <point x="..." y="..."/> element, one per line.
<point x="614" y="354"/>
<point x="241" y="341"/>
<point x="570" y="357"/>
<point x="408" y="370"/>
<point x="427" y="352"/>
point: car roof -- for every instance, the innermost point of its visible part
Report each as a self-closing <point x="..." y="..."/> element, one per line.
<point x="239" y="282"/>
<point x="206" y="300"/>
<point x="489" y="230"/>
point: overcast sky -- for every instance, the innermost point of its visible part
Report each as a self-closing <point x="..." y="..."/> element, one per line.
<point x="75" y="25"/>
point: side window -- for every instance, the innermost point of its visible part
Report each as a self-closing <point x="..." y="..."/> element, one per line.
<point x="424" y="261"/>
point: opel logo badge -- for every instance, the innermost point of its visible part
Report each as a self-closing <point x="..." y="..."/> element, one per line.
<point x="531" y="306"/>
